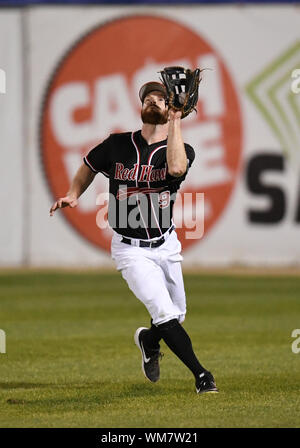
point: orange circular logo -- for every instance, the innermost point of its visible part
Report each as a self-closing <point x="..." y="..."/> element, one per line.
<point x="94" y="92"/>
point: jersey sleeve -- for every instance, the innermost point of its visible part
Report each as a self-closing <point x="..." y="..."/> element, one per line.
<point x="99" y="158"/>
<point x="190" y="154"/>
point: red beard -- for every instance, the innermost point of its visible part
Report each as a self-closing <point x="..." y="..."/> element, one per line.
<point x="154" y="115"/>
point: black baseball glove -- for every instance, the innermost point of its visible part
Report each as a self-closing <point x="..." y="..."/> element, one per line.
<point x="182" y="87"/>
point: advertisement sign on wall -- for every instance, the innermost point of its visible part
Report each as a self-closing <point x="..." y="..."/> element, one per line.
<point x="83" y="84"/>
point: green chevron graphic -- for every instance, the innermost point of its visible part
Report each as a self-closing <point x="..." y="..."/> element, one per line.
<point x="271" y="92"/>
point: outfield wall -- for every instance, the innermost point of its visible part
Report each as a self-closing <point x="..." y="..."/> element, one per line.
<point x="72" y="77"/>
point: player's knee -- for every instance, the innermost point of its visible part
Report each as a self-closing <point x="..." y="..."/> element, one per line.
<point x="170" y="322"/>
<point x="165" y="326"/>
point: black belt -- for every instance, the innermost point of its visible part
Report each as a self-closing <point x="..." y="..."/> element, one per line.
<point x="151" y="244"/>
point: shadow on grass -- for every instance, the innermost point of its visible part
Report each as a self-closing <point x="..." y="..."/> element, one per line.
<point x="14" y="385"/>
<point x="89" y="394"/>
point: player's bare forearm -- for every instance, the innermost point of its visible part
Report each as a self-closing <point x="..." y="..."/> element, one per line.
<point x="176" y="155"/>
<point x="80" y="183"/>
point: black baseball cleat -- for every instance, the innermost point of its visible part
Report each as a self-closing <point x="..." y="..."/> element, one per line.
<point x="206" y="383"/>
<point x="150" y="358"/>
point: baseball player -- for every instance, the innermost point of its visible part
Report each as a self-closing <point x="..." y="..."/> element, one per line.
<point x="145" y="169"/>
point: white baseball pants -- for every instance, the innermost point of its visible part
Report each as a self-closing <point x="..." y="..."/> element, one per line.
<point x="154" y="275"/>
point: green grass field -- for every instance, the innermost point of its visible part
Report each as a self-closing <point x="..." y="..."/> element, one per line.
<point x="71" y="360"/>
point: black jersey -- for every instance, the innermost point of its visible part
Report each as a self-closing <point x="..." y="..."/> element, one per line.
<point x="142" y="192"/>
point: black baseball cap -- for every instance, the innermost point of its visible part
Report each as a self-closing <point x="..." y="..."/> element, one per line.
<point x="151" y="87"/>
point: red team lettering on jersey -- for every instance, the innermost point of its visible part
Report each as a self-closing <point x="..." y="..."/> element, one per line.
<point x="147" y="173"/>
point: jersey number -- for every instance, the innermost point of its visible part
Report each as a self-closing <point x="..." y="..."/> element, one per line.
<point x="164" y="199"/>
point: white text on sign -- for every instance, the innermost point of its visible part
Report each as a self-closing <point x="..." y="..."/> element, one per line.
<point x="295" y="86"/>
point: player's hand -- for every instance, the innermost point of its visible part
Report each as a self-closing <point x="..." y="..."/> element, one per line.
<point x="67" y="201"/>
<point x="174" y="114"/>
